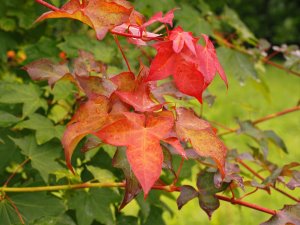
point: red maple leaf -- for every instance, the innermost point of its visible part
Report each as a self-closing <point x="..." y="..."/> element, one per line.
<point x="141" y="133"/>
<point x="192" y="65"/>
<point x="135" y="91"/>
<point x="101" y="15"/>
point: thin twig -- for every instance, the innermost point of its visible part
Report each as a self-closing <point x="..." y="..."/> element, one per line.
<point x="247" y="204"/>
<point x="262" y="179"/>
<point x="49" y="6"/>
<point x="265" y="60"/>
<point x="168" y="188"/>
<point x="120" y="48"/>
<point x="265" y="118"/>
<point x="274" y="115"/>
<point x="220" y="125"/>
<point x="16" y="209"/>
<point x="16" y="170"/>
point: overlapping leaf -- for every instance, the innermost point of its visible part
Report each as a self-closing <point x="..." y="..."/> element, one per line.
<point x="141" y="134"/>
<point x="193" y="66"/>
<point x="290" y="214"/>
<point x="202" y="137"/>
<point x="90" y="117"/>
<point x="101" y="15"/>
<point x="45" y="69"/>
<point x="132" y="188"/>
<point x="135" y="91"/>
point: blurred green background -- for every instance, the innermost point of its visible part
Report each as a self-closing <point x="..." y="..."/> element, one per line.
<point x="278" y="21"/>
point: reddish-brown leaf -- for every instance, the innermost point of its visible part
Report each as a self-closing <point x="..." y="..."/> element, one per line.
<point x="135" y="92"/>
<point x="45" y="69"/>
<point x="85" y="64"/>
<point x="101" y="15"/>
<point x="92" y="85"/>
<point x="175" y="143"/>
<point x="202" y="137"/>
<point x="89" y="118"/>
<point x="141" y="134"/>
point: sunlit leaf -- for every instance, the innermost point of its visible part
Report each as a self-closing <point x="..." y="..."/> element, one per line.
<point x="141" y="134"/>
<point x="202" y="137"/>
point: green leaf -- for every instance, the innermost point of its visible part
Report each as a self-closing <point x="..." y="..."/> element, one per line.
<point x="7" y="24"/>
<point x="7" y="43"/>
<point x="187" y="193"/>
<point x="58" y="220"/>
<point x="101" y="175"/>
<point x="126" y="220"/>
<point x="63" y="90"/>
<point x="31" y="206"/>
<point x="261" y="137"/>
<point x="233" y="19"/>
<point x="207" y="190"/>
<point x="59" y="112"/>
<point x="42" y="156"/>
<point x="28" y="94"/>
<point x="8" y="151"/>
<point x="197" y="25"/>
<point x="290" y="214"/>
<point x="7" y="214"/>
<point x="155" y="216"/>
<point x="45" y="129"/>
<point x="44" y="48"/>
<point x="7" y="119"/>
<point x="236" y="64"/>
<point x="272" y="136"/>
<point x="93" y="205"/>
<point x="103" y="52"/>
<point x="37" y="205"/>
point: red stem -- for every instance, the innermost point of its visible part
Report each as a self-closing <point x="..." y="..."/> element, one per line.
<point x="124" y="57"/>
<point x="268" y="117"/>
<point x="49" y="6"/>
<point x="261" y="178"/>
<point x="247" y="194"/>
<point x="16" y="209"/>
<point x="16" y="170"/>
<point x="136" y="36"/>
<point x="274" y="115"/>
<point x="246" y="204"/>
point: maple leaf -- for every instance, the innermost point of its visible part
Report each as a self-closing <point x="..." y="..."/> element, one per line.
<point x="208" y="61"/>
<point x="85" y="64"/>
<point x="89" y="117"/>
<point x="44" y="69"/>
<point x="158" y="17"/>
<point x="202" y="137"/>
<point x="92" y="85"/>
<point x="141" y="134"/>
<point x="101" y="15"/>
<point x="192" y="65"/>
<point x="135" y="91"/>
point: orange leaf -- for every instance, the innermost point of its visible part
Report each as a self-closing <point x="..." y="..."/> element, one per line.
<point x="101" y="15"/>
<point x="141" y="134"/>
<point x="135" y="91"/>
<point x="89" y="118"/>
<point x="202" y="137"/>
